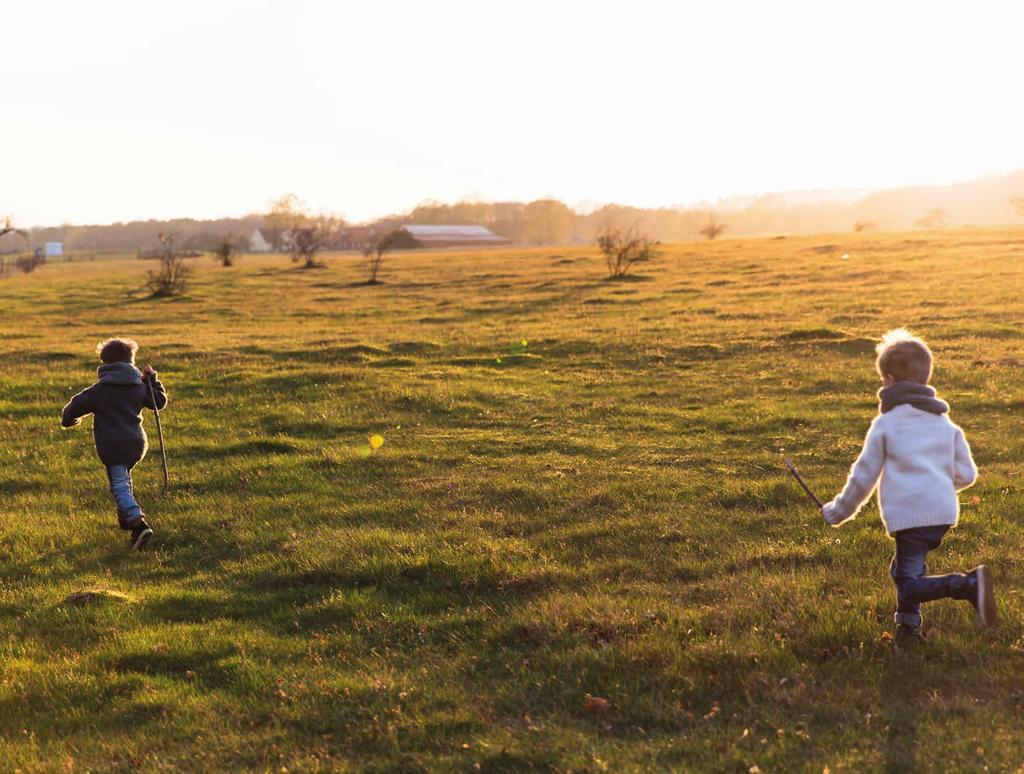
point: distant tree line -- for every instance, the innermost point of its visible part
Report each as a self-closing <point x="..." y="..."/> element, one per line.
<point x="987" y="201"/>
<point x="192" y="235"/>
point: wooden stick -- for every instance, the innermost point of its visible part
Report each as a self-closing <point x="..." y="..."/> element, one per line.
<point x="160" y="435"/>
<point x="800" y="480"/>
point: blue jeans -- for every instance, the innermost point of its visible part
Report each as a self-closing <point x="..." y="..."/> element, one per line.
<point x="913" y="586"/>
<point x="120" y="477"/>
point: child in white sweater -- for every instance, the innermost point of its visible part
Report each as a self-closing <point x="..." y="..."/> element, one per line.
<point x="922" y="459"/>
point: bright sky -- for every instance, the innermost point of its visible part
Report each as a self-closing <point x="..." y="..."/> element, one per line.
<point x="114" y="110"/>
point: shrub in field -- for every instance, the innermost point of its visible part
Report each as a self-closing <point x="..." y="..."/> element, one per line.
<point x="623" y="249"/>
<point x="863" y="225"/>
<point x="712" y="229"/>
<point x="304" y="234"/>
<point x="226" y="250"/>
<point x="306" y="241"/>
<point x="170" y="278"/>
<point x="27" y="263"/>
<point x="377" y="248"/>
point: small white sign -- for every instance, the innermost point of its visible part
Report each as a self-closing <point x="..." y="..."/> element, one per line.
<point x="54" y="249"/>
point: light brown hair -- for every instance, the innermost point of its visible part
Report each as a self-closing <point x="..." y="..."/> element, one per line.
<point x="904" y="357"/>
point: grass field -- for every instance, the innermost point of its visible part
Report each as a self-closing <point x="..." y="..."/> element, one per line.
<point x="579" y="495"/>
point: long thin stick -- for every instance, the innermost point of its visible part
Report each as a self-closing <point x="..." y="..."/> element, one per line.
<point x="800" y="480"/>
<point x="160" y="435"/>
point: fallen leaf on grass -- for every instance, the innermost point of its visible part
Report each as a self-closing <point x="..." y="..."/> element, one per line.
<point x="596" y="704"/>
<point x="376" y="441"/>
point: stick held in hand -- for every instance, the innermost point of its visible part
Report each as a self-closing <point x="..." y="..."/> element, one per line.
<point x="800" y="480"/>
<point x="160" y="434"/>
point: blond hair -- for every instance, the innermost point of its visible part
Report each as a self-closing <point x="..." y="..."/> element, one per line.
<point x="904" y="357"/>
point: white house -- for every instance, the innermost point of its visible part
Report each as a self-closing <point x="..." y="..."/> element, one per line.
<point x="266" y="240"/>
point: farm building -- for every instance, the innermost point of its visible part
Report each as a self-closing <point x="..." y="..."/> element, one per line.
<point x="455" y="236"/>
<point x="356" y="237"/>
<point x="266" y="240"/>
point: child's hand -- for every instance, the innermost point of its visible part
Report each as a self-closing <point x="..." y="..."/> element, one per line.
<point x="148" y="372"/>
<point x="828" y="512"/>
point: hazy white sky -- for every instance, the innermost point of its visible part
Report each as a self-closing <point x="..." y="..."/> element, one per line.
<point x="114" y="110"/>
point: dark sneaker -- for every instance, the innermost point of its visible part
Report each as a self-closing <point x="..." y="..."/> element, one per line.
<point x="907" y="637"/>
<point x="984" y="600"/>
<point x="141" y="533"/>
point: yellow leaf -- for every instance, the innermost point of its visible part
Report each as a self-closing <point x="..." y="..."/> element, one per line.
<point x="376" y="441"/>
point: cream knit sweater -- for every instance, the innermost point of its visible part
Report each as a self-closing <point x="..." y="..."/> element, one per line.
<point x="922" y="459"/>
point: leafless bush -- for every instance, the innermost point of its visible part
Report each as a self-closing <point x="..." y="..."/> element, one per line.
<point x="170" y="278"/>
<point x="27" y="264"/>
<point x="226" y="249"/>
<point x="306" y="241"/>
<point x="863" y="225"/>
<point x="623" y="249"/>
<point x="303" y="233"/>
<point x="377" y="248"/>
<point x="712" y="229"/>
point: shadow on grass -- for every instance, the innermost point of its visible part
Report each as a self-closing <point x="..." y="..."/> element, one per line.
<point x="245" y="449"/>
<point x="790" y="561"/>
<point x="902" y="684"/>
<point x="212" y="666"/>
<point x="287" y="597"/>
<point x="628" y="278"/>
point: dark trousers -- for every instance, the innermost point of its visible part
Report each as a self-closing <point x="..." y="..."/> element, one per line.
<point x="913" y="585"/>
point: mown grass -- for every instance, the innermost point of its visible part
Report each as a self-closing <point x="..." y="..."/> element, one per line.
<point x="597" y="511"/>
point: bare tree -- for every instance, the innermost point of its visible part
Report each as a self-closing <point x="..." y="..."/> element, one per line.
<point x="712" y="228"/>
<point x="171" y="275"/>
<point x="24" y="263"/>
<point x="305" y="234"/>
<point x="7" y="227"/>
<point x="377" y="248"/>
<point x="226" y="249"/>
<point x="623" y="249"/>
<point x="317" y="233"/>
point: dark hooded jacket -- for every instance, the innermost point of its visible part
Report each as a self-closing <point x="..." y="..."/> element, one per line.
<point x="116" y="402"/>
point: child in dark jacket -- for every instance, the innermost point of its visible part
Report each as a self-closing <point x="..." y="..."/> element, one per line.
<point x="116" y="402"/>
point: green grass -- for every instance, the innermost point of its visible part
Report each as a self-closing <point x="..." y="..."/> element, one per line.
<point x="599" y="511"/>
